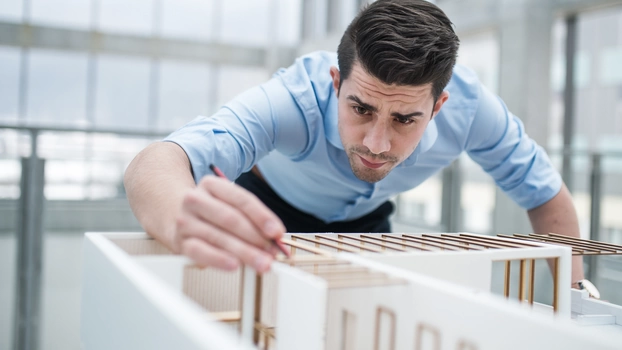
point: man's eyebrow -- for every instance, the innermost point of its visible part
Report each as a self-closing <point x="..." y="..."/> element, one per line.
<point x="374" y="109"/>
<point x="367" y="106"/>
<point x="409" y="115"/>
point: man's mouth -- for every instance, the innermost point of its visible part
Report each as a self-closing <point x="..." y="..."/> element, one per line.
<point x="369" y="164"/>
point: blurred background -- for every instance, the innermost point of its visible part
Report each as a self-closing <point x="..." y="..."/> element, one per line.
<point x="86" y="84"/>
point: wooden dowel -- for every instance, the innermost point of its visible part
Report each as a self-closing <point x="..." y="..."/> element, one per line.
<point x="532" y="279"/>
<point x="555" y="284"/>
<point x="521" y="282"/>
<point x="258" y="290"/>
<point x="506" y="285"/>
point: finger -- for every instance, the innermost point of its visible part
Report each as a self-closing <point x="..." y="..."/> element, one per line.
<point x="263" y="218"/>
<point x="212" y="210"/>
<point x="192" y="227"/>
<point x="205" y="255"/>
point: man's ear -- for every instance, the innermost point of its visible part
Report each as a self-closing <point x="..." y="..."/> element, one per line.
<point x="334" y="73"/>
<point x="444" y="96"/>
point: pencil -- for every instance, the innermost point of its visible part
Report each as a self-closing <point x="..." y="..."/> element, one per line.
<point x="275" y="241"/>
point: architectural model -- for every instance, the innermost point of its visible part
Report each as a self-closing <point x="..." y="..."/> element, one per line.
<point x="345" y="291"/>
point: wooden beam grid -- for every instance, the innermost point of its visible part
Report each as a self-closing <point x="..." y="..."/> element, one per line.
<point x="594" y="246"/>
<point x="579" y="246"/>
<point x="460" y="245"/>
<point x="471" y="242"/>
<point x="357" y="243"/>
<point x="466" y="245"/>
<point x="575" y="250"/>
<point x="366" y="239"/>
<point x="401" y="242"/>
<point x="428" y="241"/>
<point x="319" y="242"/>
<point x="493" y="242"/>
<point x="493" y="239"/>
<point x="341" y="241"/>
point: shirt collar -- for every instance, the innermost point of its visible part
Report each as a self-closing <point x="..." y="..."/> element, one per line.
<point x="331" y="120"/>
<point x="331" y="129"/>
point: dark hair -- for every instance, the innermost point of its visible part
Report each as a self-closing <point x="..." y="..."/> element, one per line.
<point x="402" y="42"/>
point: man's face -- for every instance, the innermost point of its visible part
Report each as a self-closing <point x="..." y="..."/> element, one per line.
<point x="381" y="125"/>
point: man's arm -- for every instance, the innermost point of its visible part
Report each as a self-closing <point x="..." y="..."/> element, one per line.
<point x="558" y="215"/>
<point x="215" y="223"/>
<point x="155" y="182"/>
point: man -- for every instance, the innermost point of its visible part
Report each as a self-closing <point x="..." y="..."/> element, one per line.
<point x="323" y="148"/>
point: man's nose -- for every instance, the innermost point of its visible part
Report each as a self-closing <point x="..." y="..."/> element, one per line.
<point x="377" y="139"/>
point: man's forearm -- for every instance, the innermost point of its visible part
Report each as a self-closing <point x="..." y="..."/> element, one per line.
<point x="155" y="183"/>
<point x="559" y="216"/>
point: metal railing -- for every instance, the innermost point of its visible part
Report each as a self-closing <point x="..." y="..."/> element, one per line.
<point x="30" y="229"/>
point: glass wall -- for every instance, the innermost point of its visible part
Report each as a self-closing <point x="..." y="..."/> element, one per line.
<point x="479" y="52"/>
<point x="69" y="87"/>
<point x="597" y="127"/>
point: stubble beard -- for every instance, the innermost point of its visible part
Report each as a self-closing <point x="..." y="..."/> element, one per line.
<point x="366" y="174"/>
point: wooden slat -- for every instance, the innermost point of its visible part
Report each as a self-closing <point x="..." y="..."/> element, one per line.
<point x="616" y="247"/>
<point x="363" y="240"/>
<point x="461" y="246"/>
<point x="532" y="279"/>
<point x="575" y="251"/>
<point x="494" y="239"/>
<point x="308" y="263"/>
<point x="405" y="239"/>
<point x="304" y="246"/>
<point x="556" y="284"/>
<point x="498" y="242"/>
<point x="385" y="238"/>
<point x="226" y="316"/>
<point x="521" y="281"/>
<point x="484" y="244"/>
<point x="558" y="241"/>
<point x="312" y="259"/>
<point x="355" y="245"/>
<point x="506" y="279"/>
<point x="581" y="243"/>
<point x="428" y="242"/>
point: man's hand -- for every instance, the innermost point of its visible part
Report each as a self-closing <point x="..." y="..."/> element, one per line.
<point x="215" y="223"/>
<point x="222" y="224"/>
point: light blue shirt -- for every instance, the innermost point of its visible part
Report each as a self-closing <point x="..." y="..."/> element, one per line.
<point x="288" y="127"/>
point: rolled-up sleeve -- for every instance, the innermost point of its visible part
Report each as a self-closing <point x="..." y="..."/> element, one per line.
<point x="253" y="124"/>
<point x="520" y="167"/>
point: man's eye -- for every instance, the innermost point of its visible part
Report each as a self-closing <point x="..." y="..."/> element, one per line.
<point x="360" y="110"/>
<point x="405" y="121"/>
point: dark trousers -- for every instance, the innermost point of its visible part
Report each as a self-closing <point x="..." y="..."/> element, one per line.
<point x="297" y="221"/>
